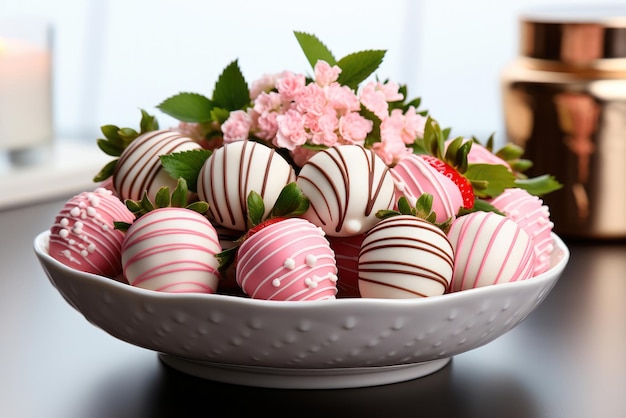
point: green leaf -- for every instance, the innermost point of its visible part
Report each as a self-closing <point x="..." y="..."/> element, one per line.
<point x="219" y="114"/>
<point x="510" y="151"/>
<point x="200" y="206"/>
<point x="162" y="198"/>
<point x="374" y="135"/>
<point x="424" y="205"/>
<point x="433" y="138"/>
<point x="358" y="66"/>
<point x="188" y="107"/>
<point x="540" y="185"/>
<point x="145" y="203"/>
<point x="497" y="178"/>
<point x="128" y="134"/>
<point x="256" y="208"/>
<point x="110" y="148"/>
<point x="133" y="206"/>
<point x="385" y="213"/>
<point x="179" y="195"/>
<point x="480" y="206"/>
<point x="404" y="206"/>
<point x="111" y="132"/>
<point x="185" y="164"/>
<point x="290" y="202"/>
<point x="520" y="165"/>
<point x="226" y="258"/>
<point x="105" y="172"/>
<point x="148" y="122"/>
<point x="314" y="49"/>
<point x="446" y="133"/>
<point x="121" y="226"/>
<point x="231" y="90"/>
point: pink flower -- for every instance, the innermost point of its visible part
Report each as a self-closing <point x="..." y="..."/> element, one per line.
<point x="237" y="126"/>
<point x="414" y="125"/>
<point x="267" y="102"/>
<point x="289" y="84"/>
<point x="311" y="99"/>
<point x="375" y="96"/>
<point x="301" y="155"/>
<point x="291" y="131"/>
<point x="325" y="74"/>
<point x="264" y="84"/>
<point x="354" y="128"/>
<point x="403" y="127"/>
<point x="391" y="91"/>
<point x="194" y="131"/>
<point x="323" y="131"/>
<point x="267" y="125"/>
<point x="391" y="150"/>
<point x="342" y="99"/>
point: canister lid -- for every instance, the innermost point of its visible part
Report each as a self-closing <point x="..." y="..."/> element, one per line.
<point x="575" y="35"/>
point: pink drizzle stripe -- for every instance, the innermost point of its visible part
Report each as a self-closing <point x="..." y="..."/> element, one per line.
<point x="405" y="172"/>
<point x="260" y="252"/>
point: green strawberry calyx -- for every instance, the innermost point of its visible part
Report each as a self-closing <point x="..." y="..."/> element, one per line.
<point x="162" y="199"/>
<point x="116" y="140"/>
<point x="422" y="209"/>
<point x="291" y="202"/>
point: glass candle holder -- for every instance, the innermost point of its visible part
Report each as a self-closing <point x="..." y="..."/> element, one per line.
<point x="26" y="119"/>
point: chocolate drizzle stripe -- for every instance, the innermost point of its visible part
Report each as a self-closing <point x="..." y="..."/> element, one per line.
<point x="169" y="146"/>
<point x="312" y="202"/>
<point x="373" y="242"/>
<point x="152" y="167"/>
<point x="415" y="244"/>
<point x="391" y="267"/>
<point x="245" y="165"/>
<point x="373" y="195"/>
<point x="120" y="177"/>
<point x="403" y="289"/>
<point x="342" y="165"/>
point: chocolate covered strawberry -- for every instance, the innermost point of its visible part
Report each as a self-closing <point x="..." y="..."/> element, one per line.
<point x="171" y="246"/>
<point x="406" y="254"/>
<point x="138" y="168"/>
<point x="282" y="256"/>
<point x="450" y="172"/>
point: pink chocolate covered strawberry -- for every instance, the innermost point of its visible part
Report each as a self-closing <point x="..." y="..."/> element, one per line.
<point x="83" y="235"/>
<point x="283" y="257"/>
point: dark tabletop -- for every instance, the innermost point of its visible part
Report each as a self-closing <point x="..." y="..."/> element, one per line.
<point x="567" y="359"/>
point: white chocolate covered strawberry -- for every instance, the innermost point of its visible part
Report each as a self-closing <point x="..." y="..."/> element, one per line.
<point x="405" y="255"/>
<point x="489" y="249"/>
<point x="232" y="172"/>
<point x="171" y="249"/>
<point x="346" y="185"/>
<point x="533" y="215"/>
<point x="138" y="168"/>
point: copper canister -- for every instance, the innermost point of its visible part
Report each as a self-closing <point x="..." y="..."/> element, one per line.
<point x="565" y="102"/>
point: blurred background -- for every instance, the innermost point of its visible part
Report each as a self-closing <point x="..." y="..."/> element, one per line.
<point x="112" y="57"/>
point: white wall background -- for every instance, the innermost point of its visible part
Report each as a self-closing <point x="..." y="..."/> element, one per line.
<point x="114" y="57"/>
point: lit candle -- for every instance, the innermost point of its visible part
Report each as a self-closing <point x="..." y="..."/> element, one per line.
<point x="25" y="95"/>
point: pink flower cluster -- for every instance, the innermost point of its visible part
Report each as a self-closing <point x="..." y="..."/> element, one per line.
<point x="287" y="112"/>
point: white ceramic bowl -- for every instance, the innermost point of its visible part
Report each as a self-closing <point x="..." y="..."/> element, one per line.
<point x="318" y="344"/>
